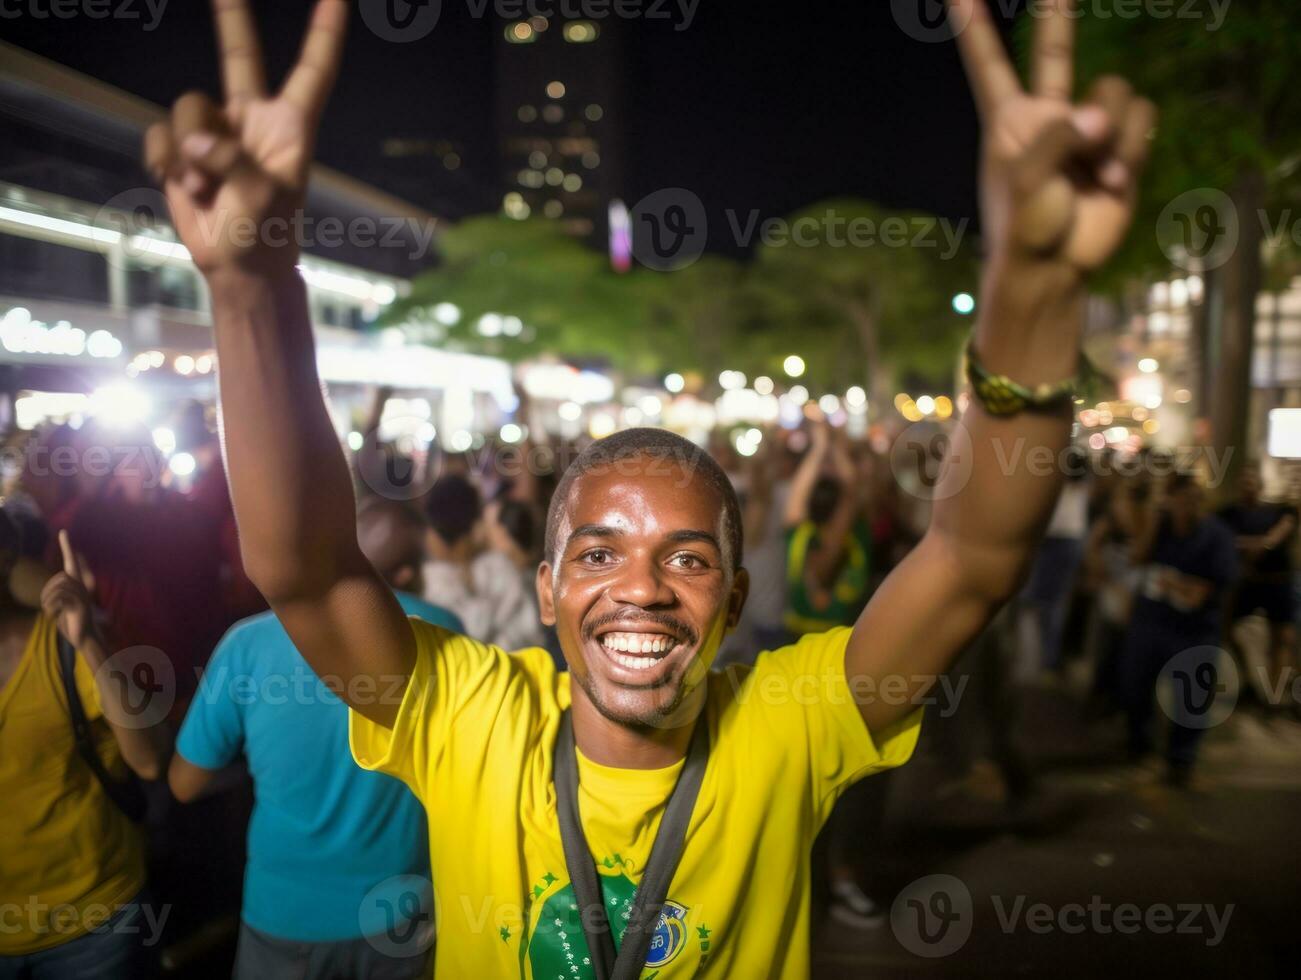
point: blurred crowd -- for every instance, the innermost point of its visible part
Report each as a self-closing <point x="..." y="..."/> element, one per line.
<point x="1143" y="601"/>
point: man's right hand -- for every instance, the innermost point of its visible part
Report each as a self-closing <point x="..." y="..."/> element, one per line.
<point x="235" y="175"/>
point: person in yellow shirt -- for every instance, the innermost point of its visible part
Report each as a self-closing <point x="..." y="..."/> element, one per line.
<point x="640" y="816"/>
<point x="71" y="860"/>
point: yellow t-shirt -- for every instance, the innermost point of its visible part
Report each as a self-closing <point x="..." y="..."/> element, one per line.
<point x="474" y="739"/>
<point x="68" y="856"/>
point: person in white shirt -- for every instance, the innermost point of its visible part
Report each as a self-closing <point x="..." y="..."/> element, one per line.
<point x="480" y="585"/>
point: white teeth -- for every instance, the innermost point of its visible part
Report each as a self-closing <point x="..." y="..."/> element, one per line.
<point x="637" y="643"/>
<point x="637" y="663"/>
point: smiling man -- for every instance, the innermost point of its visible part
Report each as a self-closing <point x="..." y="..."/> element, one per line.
<point x="641" y="814"/>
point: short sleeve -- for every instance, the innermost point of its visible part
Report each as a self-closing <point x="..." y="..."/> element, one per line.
<point x="455" y="697"/>
<point x="212" y="735"/>
<point x="805" y="700"/>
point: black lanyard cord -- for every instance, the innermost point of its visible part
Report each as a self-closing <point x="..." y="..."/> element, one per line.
<point x="665" y="854"/>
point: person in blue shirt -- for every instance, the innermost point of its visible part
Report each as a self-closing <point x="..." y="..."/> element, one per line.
<point x="337" y="881"/>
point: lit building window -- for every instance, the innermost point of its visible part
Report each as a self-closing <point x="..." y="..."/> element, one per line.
<point x="555" y="176"/>
<point x="555" y="90"/>
<point x="553" y="113"/>
<point x="521" y="32"/>
<point x="539" y="23"/>
<point x="580" y="32"/>
<point x="553" y="209"/>
<point x="594" y="112"/>
<point x="591" y="159"/>
<point x="573" y="183"/>
<point x="527" y="113"/>
<point x="452" y="161"/>
<point x="537" y="159"/>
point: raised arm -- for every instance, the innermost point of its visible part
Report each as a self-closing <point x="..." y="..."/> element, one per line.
<point x="1058" y="184"/>
<point x="806" y="474"/>
<point x="66" y="599"/>
<point x="235" y="176"/>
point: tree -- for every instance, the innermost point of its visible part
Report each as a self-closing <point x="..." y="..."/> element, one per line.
<point x="854" y="275"/>
<point x="1230" y="120"/>
<point x="570" y="302"/>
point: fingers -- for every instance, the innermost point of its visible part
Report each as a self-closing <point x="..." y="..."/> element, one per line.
<point x="241" y="53"/>
<point x="69" y="557"/>
<point x="217" y="158"/>
<point x="988" y="68"/>
<point x="1052" y="70"/>
<point x="159" y="152"/>
<point x="1136" y="132"/>
<point x="1113" y="95"/>
<point x="196" y="120"/>
<point x="1046" y="158"/>
<point x="309" y="84"/>
<point x="59" y="594"/>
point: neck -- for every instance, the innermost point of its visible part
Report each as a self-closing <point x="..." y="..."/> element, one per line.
<point x="620" y="746"/>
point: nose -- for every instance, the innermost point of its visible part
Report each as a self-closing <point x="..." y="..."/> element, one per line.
<point x="641" y="582"/>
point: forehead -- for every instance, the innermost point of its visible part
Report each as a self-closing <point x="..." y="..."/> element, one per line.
<point x="641" y="495"/>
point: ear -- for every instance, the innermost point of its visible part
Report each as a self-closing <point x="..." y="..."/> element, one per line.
<point x="736" y="599"/>
<point x="546" y="595"/>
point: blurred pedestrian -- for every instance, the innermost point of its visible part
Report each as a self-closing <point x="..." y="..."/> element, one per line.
<point x="1187" y="562"/>
<point x="71" y="847"/>
<point x="329" y="844"/>
<point x="1264" y="534"/>
<point x="481" y="585"/>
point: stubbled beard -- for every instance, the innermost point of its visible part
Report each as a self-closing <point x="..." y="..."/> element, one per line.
<point x="652" y="718"/>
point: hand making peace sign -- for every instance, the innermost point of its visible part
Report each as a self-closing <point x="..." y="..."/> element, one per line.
<point x="234" y="175"/>
<point x="1059" y="179"/>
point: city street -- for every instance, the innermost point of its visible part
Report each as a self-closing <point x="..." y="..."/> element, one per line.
<point x="1102" y="832"/>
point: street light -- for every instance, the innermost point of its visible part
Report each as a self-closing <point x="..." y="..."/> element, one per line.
<point x="964" y="303"/>
<point x="794" y="366"/>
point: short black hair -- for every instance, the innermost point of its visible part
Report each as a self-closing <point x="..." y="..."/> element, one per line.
<point x="517" y="519"/>
<point x="824" y="499"/>
<point x="655" y="444"/>
<point x="453" y="506"/>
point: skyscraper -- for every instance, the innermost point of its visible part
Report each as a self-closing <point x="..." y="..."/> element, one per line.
<point x="559" y="114"/>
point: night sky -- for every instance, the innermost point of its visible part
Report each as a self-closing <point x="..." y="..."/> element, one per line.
<point x="753" y="106"/>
